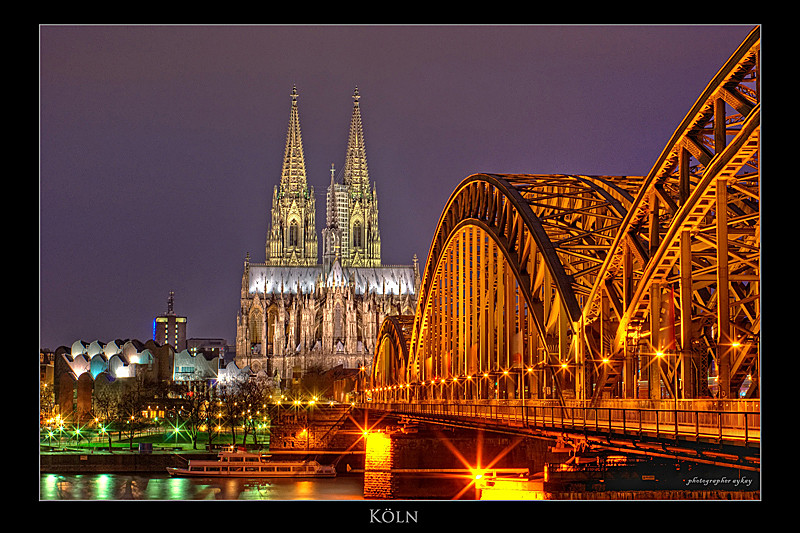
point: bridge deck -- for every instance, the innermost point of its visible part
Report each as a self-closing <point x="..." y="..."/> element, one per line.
<point x="730" y="427"/>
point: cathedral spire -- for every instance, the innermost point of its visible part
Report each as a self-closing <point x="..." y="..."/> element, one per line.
<point x="360" y="238"/>
<point x="331" y="211"/>
<point x="292" y="237"/>
<point x="332" y="233"/>
<point x="356" y="174"/>
<point x="293" y="173"/>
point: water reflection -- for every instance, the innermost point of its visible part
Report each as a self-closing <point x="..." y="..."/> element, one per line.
<point x="163" y="487"/>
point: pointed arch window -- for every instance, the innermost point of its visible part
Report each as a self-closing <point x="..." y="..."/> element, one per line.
<point x="338" y="323"/>
<point x="294" y="234"/>
<point x="357" y="237"/>
<point x="256" y="319"/>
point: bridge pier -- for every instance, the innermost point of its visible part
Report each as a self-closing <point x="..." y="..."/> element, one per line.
<point x="427" y="461"/>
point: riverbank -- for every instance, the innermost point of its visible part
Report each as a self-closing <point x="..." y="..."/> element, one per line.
<point x="94" y="462"/>
<point x="157" y="460"/>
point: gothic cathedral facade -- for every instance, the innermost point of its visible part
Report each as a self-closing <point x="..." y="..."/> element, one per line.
<point x="300" y="313"/>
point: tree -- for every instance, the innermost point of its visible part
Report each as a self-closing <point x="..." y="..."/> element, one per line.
<point x="212" y="413"/>
<point x="228" y="396"/>
<point x="47" y="401"/>
<point x="129" y="412"/>
<point x="254" y="395"/>
<point x="243" y="400"/>
<point x="192" y="413"/>
<point x="127" y="399"/>
<point x="106" y="400"/>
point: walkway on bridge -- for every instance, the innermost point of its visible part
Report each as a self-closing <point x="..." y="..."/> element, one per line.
<point x="729" y="436"/>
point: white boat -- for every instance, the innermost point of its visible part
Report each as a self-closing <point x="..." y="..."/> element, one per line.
<point x="238" y="463"/>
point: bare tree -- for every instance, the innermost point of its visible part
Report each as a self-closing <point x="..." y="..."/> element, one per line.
<point x="106" y="402"/>
<point x="254" y="396"/>
<point x="243" y="401"/>
<point x="192" y="413"/>
<point x="129" y="410"/>
<point x="212" y="413"/>
<point x="228" y="397"/>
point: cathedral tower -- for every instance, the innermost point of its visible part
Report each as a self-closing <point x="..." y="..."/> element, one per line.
<point x="292" y="238"/>
<point x="334" y="234"/>
<point x="296" y="314"/>
<point x="357" y="212"/>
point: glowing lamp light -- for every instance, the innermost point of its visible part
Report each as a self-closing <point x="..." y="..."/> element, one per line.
<point x="563" y="365"/>
<point x="659" y="354"/>
<point x="378" y="450"/>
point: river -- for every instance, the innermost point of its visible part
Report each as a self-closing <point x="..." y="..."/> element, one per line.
<point x="163" y="487"/>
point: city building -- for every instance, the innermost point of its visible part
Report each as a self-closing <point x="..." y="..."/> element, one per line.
<point x="46" y="358"/>
<point x="298" y="313"/>
<point x="214" y="347"/>
<point x="170" y="328"/>
<point x="82" y="370"/>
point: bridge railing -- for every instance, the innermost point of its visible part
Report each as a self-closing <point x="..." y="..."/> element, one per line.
<point x="735" y="423"/>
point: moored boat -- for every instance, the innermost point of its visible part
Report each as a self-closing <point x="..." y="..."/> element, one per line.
<point x="239" y="463"/>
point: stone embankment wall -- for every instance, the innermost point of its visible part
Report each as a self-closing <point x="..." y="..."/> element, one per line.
<point x="317" y="428"/>
<point x="91" y="463"/>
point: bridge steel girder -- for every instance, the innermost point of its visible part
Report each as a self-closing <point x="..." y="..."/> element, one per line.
<point x="392" y="356"/>
<point x="613" y="276"/>
<point x="692" y="243"/>
<point x="534" y="243"/>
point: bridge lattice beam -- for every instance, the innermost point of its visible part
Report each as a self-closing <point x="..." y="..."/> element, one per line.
<point x="544" y="284"/>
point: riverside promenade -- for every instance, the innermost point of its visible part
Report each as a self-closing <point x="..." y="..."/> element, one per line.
<point x="91" y="460"/>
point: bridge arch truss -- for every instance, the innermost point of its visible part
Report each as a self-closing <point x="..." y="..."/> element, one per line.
<point x="591" y="287"/>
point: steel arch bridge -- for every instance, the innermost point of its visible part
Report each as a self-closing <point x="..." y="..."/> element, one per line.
<point x="588" y="288"/>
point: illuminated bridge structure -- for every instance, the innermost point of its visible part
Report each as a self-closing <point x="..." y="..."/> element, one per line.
<point x="616" y="306"/>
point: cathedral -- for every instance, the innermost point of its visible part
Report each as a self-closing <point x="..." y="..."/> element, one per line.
<point x="299" y="311"/>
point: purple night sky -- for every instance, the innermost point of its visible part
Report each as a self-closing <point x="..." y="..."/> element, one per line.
<point x="160" y="145"/>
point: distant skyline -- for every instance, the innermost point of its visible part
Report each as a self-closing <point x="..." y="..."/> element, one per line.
<point x="160" y="145"/>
